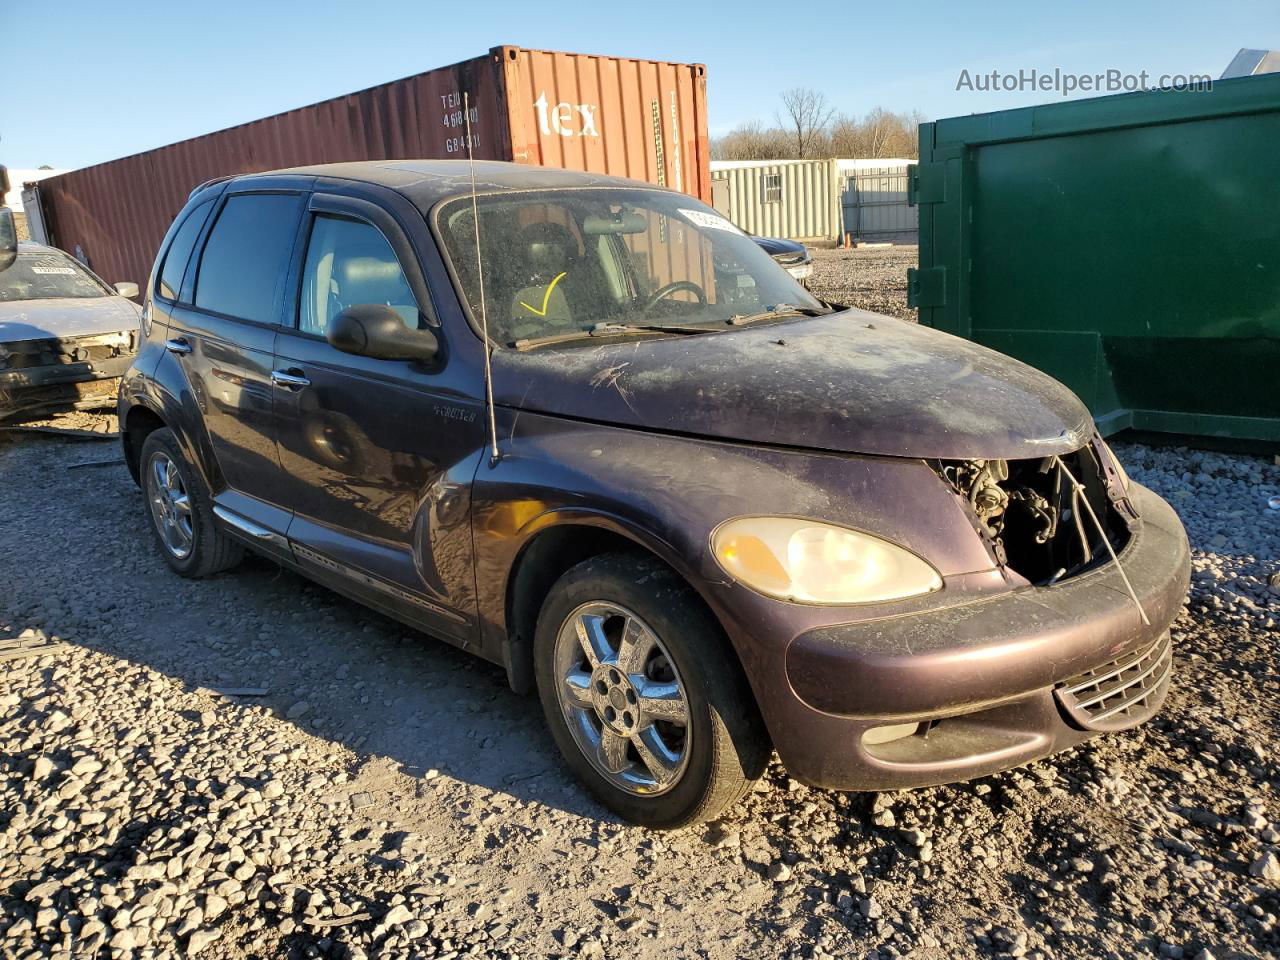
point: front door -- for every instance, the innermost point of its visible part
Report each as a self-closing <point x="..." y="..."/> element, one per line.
<point x="224" y="337"/>
<point x="377" y="455"/>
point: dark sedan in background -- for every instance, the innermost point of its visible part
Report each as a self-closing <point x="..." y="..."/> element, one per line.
<point x="65" y="336"/>
<point x="793" y="257"/>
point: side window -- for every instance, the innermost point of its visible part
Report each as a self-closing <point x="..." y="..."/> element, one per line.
<point x="350" y="262"/>
<point x="247" y="255"/>
<point x="169" y="284"/>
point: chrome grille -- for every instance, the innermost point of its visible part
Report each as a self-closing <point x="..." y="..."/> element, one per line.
<point x="1119" y="694"/>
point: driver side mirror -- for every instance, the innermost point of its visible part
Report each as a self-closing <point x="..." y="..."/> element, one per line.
<point x="127" y="288"/>
<point x="375" y="330"/>
<point x="8" y="239"/>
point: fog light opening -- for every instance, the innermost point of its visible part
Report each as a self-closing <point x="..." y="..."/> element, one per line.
<point x="895" y="731"/>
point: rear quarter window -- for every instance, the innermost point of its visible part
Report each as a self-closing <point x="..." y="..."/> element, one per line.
<point x="169" y="283"/>
<point x="245" y="259"/>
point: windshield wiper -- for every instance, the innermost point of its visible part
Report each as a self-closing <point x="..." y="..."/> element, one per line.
<point x="778" y="310"/>
<point x="608" y="330"/>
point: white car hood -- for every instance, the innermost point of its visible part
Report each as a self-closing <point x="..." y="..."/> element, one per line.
<point x="64" y="317"/>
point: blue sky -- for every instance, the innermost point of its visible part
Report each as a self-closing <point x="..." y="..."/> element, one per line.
<point x="90" y="81"/>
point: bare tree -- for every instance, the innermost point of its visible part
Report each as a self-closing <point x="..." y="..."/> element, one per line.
<point x="805" y="115"/>
<point x="880" y="134"/>
<point x="752" y="141"/>
<point x="846" y="136"/>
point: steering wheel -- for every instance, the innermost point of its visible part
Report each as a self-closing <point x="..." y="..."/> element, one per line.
<point x="675" y="286"/>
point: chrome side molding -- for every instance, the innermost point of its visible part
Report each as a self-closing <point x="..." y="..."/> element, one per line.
<point x="248" y="528"/>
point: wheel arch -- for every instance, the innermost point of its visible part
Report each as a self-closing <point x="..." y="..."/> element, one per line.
<point x="143" y="411"/>
<point x="556" y="542"/>
<point x="139" y="423"/>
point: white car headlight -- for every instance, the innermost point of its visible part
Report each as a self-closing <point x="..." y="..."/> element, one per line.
<point x="807" y="561"/>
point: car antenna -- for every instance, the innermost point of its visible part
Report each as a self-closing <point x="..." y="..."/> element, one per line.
<point x="484" y="315"/>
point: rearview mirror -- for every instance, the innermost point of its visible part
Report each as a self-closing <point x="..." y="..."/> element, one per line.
<point x="594" y="226"/>
<point x="8" y="239"/>
<point x="375" y="330"/>
<point x="127" y="288"/>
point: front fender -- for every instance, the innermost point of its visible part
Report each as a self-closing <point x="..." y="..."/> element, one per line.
<point x="668" y="493"/>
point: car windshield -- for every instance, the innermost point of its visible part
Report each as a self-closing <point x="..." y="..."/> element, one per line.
<point x="44" y="276"/>
<point x="562" y="262"/>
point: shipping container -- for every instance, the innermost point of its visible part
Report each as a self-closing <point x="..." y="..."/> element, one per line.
<point x="631" y="118"/>
<point x="1127" y="245"/>
<point x="794" y="199"/>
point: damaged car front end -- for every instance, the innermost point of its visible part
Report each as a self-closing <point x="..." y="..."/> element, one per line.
<point x="1065" y="636"/>
<point x="66" y="338"/>
<point x="76" y="372"/>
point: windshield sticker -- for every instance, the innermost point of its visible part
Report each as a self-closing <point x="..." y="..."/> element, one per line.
<point x="700" y="218"/>
<point x="59" y="271"/>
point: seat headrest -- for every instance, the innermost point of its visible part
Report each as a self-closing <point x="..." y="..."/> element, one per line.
<point x="370" y="280"/>
<point x="548" y="248"/>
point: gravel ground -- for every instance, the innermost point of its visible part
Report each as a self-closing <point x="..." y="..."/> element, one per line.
<point x="873" y="278"/>
<point x="254" y="767"/>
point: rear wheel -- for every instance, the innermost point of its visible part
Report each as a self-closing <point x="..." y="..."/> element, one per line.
<point x="643" y="697"/>
<point x="181" y="511"/>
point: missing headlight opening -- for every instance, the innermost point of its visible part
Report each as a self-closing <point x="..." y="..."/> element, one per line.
<point x="1033" y="516"/>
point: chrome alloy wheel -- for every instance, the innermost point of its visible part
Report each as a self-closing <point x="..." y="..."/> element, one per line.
<point x="623" y="699"/>
<point x="170" y="506"/>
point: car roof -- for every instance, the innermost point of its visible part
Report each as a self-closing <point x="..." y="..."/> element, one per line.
<point x="425" y="182"/>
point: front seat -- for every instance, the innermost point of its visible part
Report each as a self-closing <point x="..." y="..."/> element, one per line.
<point x="540" y="305"/>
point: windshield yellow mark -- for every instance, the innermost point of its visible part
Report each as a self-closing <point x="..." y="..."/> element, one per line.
<point x="545" y="300"/>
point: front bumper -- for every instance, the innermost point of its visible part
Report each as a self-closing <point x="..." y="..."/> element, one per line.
<point x="993" y="683"/>
<point x="81" y="385"/>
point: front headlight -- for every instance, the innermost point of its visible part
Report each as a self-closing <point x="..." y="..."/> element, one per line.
<point x="807" y="561"/>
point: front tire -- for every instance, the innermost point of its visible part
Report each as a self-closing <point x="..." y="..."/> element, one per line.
<point x="642" y="695"/>
<point x="180" y="511"/>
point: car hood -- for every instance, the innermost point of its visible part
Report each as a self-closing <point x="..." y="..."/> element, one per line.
<point x="61" y="317"/>
<point x="852" y="382"/>
<point x="777" y="247"/>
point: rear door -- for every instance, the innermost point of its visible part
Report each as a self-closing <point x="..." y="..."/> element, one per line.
<point x="169" y="290"/>
<point x="224" y="336"/>
<point x="377" y="455"/>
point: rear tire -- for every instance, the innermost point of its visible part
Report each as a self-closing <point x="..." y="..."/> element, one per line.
<point x="651" y="710"/>
<point x="180" y="511"/>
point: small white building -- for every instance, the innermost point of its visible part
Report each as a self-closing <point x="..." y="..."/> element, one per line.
<point x="817" y="200"/>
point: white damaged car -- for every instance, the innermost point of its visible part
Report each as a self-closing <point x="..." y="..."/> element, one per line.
<point x="65" y="336"/>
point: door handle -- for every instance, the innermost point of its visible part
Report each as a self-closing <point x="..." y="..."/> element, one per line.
<point x="178" y="345"/>
<point x="293" y="379"/>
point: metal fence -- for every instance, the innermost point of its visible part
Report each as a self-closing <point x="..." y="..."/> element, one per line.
<point x="875" y="206"/>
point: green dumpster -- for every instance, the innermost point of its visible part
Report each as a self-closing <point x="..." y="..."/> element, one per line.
<point x="1127" y="245"/>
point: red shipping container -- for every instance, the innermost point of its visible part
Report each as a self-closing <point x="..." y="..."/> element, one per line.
<point x="642" y="119"/>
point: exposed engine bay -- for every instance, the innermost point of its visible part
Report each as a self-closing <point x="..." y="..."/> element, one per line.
<point x="73" y="372"/>
<point x="1036" y="518"/>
